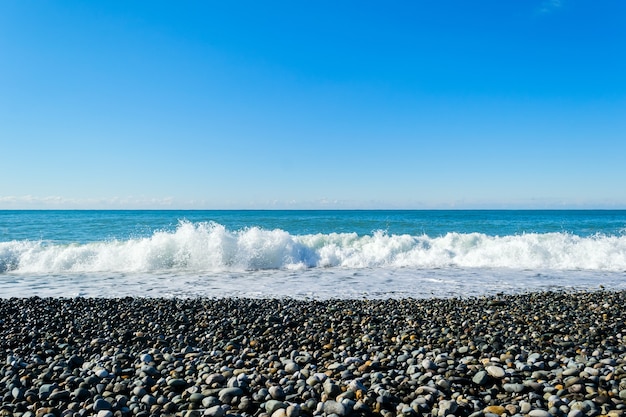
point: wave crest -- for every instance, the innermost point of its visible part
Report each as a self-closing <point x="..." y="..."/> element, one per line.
<point x="201" y="247"/>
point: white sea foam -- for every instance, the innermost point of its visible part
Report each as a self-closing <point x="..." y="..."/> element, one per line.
<point x="202" y="247"/>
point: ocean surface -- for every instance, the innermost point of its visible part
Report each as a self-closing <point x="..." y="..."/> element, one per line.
<point x="309" y="254"/>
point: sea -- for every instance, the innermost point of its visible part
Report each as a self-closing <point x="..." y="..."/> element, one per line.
<point x="321" y="254"/>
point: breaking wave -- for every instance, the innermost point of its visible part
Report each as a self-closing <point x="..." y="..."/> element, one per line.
<point x="199" y="247"/>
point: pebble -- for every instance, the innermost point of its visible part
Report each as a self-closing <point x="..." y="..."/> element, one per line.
<point x="495" y="371"/>
<point x="514" y="388"/>
<point x="277" y="392"/>
<point x="539" y="413"/>
<point x="177" y="383"/>
<point x="525" y="407"/>
<point x="549" y="354"/>
<point x="273" y="405"/>
<point x="215" y="411"/>
<point x="447" y="407"/>
<point x="101" y="405"/>
<point x="481" y="378"/>
<point x="495" y="409"/>
<point x="226" y="395"/>
<point x="334" y="407"/>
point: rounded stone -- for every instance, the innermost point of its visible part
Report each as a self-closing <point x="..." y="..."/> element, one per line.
<point x="177" y="384"/>
<point x="149" y="400"/>
<point x="210" y="401"/>
<point x="539" y="413"/>
<point x="291" y="367"/>
<point x="525" y="407"/>
<point x="279" y="413"/>
<point x="331" y="389"/>
<point x="334" y="407"/>
<point x="494" y="409"/>
<point x="215" y="411"/>
<point x="273" y="405"/>
<point x="102" y="373"/>
<point x="495" y="371"/>
<point x="293" y="410"/>
<point x="46" y="389"/>
<point x="514" y="388"/>
<point x="481" y="378"/>
<point x="101" y="405"/>
<point x="60" y="395"/>
<point x="196" y="398"/>
<point x="276" y="392"/>
<point x="429" y="365"/>
<point x="447" y="407"/>
<point x="226" y="395"/>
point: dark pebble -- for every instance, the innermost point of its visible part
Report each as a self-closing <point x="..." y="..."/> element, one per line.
<point x="550" y="354"/>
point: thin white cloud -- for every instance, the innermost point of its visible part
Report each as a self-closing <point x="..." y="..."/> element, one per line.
<point x="549" y="6"/>
<point x="58" y="202"/>
<point x="27" y="202"/>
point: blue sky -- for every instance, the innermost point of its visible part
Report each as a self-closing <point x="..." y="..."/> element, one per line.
<point x="313" y="104"/>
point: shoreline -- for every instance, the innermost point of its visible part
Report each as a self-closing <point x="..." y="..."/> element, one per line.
<point x="539" y="354"/>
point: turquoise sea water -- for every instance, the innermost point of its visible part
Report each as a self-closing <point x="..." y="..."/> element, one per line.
<point x="318" y="254"/>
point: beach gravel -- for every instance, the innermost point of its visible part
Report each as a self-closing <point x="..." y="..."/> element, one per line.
<point x="548" y="354"/>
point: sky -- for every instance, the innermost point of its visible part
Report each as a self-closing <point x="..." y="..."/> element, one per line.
<point x="422" y="104"/>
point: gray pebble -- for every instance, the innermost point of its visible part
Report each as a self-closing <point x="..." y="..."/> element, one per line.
<point x="495" y="371"/>
<point x="539" y="413"/>
<point x="214" y="411"/>
<point x="481" y="378"/>
<point x="514" y="388"/>
<point x="101" y="404"/>
<point x="273" y="405"/>
<point x="334" y="407"/>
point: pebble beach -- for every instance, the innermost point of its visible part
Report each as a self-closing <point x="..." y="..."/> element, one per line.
<point x="545" y="354"/>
